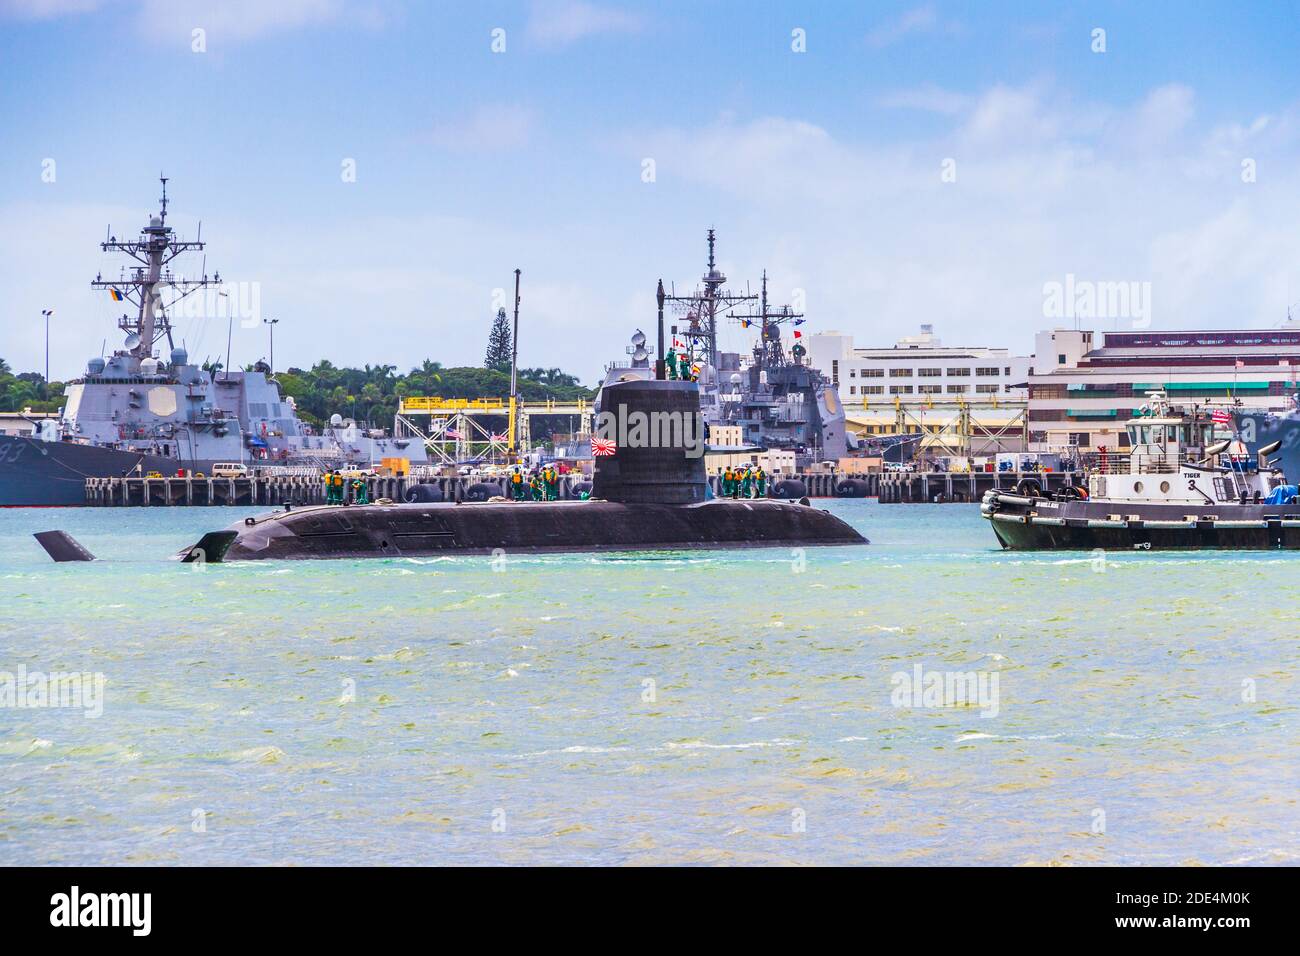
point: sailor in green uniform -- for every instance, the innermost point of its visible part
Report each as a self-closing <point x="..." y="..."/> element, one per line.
<point x="745" y="483"/>
<point x="725" y="482"/>
<point x="760" y="483"/>
<point x="360" y="491"/>
<point x="670" y="363"/>
<point x="333" y="488"/>
<point x="685" y="369"/>
<point x="517" y="485"/>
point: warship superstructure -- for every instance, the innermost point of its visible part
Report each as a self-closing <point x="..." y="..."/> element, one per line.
<point x="772" y="394"/>
<point x="142" y="410"/>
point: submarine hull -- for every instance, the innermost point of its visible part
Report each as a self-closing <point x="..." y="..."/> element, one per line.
<point x="367" y="531"/>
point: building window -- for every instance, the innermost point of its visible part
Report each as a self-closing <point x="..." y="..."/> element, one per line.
<point x="900" y="390"/>
<point x="873" y="373"/>
<point x="957" y="389"/>
<point x="929" y="372"/>
<point x="900" y="372"/>
<point x="987" y="372"/>
<point x="853" y="373"/>
<point x="1007" y="370"/>
<point x="853" y="390"/>
<point x="990" y="388"/>
<point x="929" y="389"/>
<point x="1060" y="360"/>
<point x="958" y="372"/>
<point x="835" y="371"/>
<point x="873" y="390"/>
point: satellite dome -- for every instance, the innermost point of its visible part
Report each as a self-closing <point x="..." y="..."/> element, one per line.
<point x="638" y="338"/>
<point x="148" y="367"/>
<point x="735" y="378"/>
<point x="180" y="357"/>
<point x="95" y="366"/>
<point x="336" y="420"/>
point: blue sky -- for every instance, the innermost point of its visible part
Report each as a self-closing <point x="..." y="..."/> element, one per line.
<point x="822" y="166"/>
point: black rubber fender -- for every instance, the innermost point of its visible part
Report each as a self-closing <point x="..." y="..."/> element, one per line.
<point x="423" y="494"/>
<point x="851" y="488"/>
<point x="791" y="488"/>
<point x="482" y="491"/>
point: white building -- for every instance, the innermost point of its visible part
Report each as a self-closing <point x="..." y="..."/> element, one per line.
<point x="917" y="368"/>
<point x="961" y="399"/>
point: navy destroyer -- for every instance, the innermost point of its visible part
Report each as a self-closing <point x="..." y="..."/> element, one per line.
<point x="141" y="410"/>
<point x="776" y="398"/>
<point x="1177" y="488"/>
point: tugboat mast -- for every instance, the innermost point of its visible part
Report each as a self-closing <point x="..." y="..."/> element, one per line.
<point x="144" y="284"/>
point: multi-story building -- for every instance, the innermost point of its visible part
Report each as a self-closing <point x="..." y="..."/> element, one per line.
<point x="921" y="385"/>
<point x="1081" y="394"/>
<point x="917" y="367"/>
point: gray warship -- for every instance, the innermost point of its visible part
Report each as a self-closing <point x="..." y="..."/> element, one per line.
<point x="776" y="399"/>
<point x="140" y="410"/>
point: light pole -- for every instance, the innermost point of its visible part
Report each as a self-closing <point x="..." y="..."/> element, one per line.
<point x="47" y="313"/>
<point x="271" y="323"/>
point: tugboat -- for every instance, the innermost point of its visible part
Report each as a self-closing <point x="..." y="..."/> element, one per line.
<point x="1177" y="488"/>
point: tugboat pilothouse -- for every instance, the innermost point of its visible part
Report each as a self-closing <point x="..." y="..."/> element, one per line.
<point x="1177" y="487"/>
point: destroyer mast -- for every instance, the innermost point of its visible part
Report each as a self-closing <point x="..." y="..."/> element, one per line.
<point x="143" y="285"/>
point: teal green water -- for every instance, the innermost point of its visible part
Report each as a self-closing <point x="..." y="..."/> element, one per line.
<point x="450" y="711"/>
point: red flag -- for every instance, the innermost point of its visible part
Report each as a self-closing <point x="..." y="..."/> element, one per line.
<point x="798" y="334"/>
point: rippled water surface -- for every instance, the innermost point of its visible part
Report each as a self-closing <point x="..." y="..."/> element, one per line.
<point x="719" y="707"/>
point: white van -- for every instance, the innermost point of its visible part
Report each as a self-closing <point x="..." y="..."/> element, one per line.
<point x="229" y="469"/>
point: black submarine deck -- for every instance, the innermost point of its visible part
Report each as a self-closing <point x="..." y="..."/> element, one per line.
<point x="367" y="531"/>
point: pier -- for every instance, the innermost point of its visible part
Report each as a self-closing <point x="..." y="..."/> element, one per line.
<point x="276" y="490"/>
<point x="905" y="487"/>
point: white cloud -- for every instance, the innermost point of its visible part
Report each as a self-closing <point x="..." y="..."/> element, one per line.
<point x="928" y="98"/>
<point x="489" y="128"/>
<point x="45" y="9"/>
<point x="561" y="22"/>
<point x="236" y="20"/>
<point x="918" y="20"/>
<point x="1045" y="186"/>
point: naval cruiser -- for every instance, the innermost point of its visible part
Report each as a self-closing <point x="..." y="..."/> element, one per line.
<point x="141" y="410"/>
<point x="773" y="395"/>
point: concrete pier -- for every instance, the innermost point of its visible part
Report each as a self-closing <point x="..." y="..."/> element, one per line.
<point x="930" y="486"/>
<point x="275" y="490"/>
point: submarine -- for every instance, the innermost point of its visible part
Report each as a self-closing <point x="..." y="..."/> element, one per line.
<point x="650" y="493"/>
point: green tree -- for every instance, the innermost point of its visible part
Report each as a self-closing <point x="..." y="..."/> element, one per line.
<point x="498" y="348"/>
